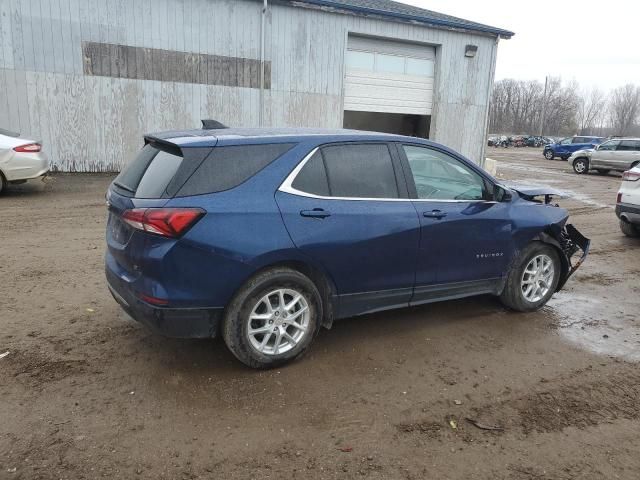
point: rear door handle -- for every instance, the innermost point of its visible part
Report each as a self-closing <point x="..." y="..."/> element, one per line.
<point x="315" y="213"/>
<point x="434" y="214"/>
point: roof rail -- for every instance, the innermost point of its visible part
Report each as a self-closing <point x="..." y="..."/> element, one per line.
<point x="212" y="125"/>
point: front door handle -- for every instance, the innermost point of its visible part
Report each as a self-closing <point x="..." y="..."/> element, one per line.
<point x="315" y="213"/>
<point x="435" y="214"/>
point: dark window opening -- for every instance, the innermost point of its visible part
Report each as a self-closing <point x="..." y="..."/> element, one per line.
<point x="397" y="123"/>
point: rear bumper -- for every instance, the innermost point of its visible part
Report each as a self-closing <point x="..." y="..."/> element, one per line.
<point x="170" y="322"/>
<point x="628" y="212"/>
<point x="25" y="166"/>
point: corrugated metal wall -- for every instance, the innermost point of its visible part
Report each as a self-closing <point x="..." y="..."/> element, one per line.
<point x="93" y="121"/>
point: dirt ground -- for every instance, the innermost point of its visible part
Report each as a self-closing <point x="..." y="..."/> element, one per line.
<point x="87" y="393"/>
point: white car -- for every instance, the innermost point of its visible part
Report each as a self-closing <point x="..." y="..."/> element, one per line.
<point x="628" y="203"/>
<point x="20" y="159"/>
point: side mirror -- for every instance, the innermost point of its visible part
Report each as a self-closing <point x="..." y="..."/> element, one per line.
<point x="596" y="147"/>
<point x="501" y="194"/>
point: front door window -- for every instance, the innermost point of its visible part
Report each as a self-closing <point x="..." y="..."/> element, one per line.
<point x="439" y="176"/>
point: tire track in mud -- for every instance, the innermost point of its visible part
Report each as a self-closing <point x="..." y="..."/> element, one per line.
<point x="546" y="410"/>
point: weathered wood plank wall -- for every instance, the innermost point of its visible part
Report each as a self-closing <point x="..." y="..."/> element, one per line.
<point x="95" y="123"/>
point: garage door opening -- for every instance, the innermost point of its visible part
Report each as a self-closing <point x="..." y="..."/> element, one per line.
<point x="398" y="123"/>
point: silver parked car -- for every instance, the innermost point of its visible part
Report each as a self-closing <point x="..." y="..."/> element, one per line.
<point x="618" y="154"/>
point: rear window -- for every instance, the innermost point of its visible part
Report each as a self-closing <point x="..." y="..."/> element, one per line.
<point x="148" y="175"/>
<point x="228" y="167"/>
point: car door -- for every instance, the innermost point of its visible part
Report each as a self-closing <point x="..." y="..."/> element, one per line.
<point x="627" y="154"/>
<point x="603" y="155"/>
<point x="465" y="234"/>
<point x="346" y="207"/>
<point x="563" y="147"/>
<point x="578" y="143"/>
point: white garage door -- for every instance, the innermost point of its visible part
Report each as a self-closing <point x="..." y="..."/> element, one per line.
<point x="389" y="77"/>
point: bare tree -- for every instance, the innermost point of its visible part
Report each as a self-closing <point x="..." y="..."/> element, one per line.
<point x="591" y="109"/>
<point x="516" y="107"/>
<point x="624" y="108"/>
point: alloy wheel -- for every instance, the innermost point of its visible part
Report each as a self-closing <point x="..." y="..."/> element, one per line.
<point x="537" y="278"/>
<point x="278" y="322"/>
<point x="579" y="166"/>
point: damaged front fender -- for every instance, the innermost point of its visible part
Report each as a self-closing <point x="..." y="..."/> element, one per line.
<point x="569" y="241"/>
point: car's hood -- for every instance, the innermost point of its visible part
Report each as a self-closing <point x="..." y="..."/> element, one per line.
<point x="583" y="151"/>
<point x="530" y="192"/>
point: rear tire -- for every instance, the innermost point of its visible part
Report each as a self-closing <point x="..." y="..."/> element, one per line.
<point x="255" y="324"/>
<point x="602" y="171"/>
<point x="549" y="155"/>
<point x="525" y="291"/>
<point x="629" y="229"/>
<point x="3" y="183"/>
<point x="581" y="166"/>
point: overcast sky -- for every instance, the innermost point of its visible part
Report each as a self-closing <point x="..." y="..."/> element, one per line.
<point x="597" y="43"/>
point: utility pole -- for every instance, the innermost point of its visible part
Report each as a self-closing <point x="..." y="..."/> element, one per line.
<point x="544" y="105"/>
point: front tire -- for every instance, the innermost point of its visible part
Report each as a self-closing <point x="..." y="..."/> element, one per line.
<point x="629" y="229"/>
<point x="533" y="278"/>
<point x="273" y="318"/>
<point x="549" y="155"/>
<point x="581" y="166"/>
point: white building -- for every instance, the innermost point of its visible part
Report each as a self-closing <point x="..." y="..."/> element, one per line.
<point x="89" y="77"/>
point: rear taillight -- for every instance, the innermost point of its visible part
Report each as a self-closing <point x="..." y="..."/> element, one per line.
<point x="29" y="148"/>
<point x="630" y="176"/>
<point x="168" y="222"/>
<point x="619" y="198"/>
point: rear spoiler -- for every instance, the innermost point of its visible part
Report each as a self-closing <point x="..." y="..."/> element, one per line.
<point x="163" y="144"/>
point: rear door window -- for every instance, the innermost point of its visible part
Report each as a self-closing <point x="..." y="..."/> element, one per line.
<point x="148" y="175"/>
<point x="360" y="171"/>
<point x="629" y="145"/>
<point x="313" y="177"/>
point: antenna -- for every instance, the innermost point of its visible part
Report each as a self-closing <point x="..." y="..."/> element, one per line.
<point x="212" y="125"/>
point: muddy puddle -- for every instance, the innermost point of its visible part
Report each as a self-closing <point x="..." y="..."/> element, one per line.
<point x="603" y="326"/>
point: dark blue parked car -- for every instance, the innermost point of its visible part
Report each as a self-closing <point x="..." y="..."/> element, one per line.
<point x="264" y="236"/>
<point x="565" y="147"/>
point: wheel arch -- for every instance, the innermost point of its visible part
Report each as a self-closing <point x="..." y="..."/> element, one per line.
<point x="4" y="183"/>
<point x="319" y="277"/>
<point x="549" y="238"/>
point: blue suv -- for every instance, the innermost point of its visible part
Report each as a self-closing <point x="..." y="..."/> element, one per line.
<point x="265" y="236"/>
<point x="565" y="147"/>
